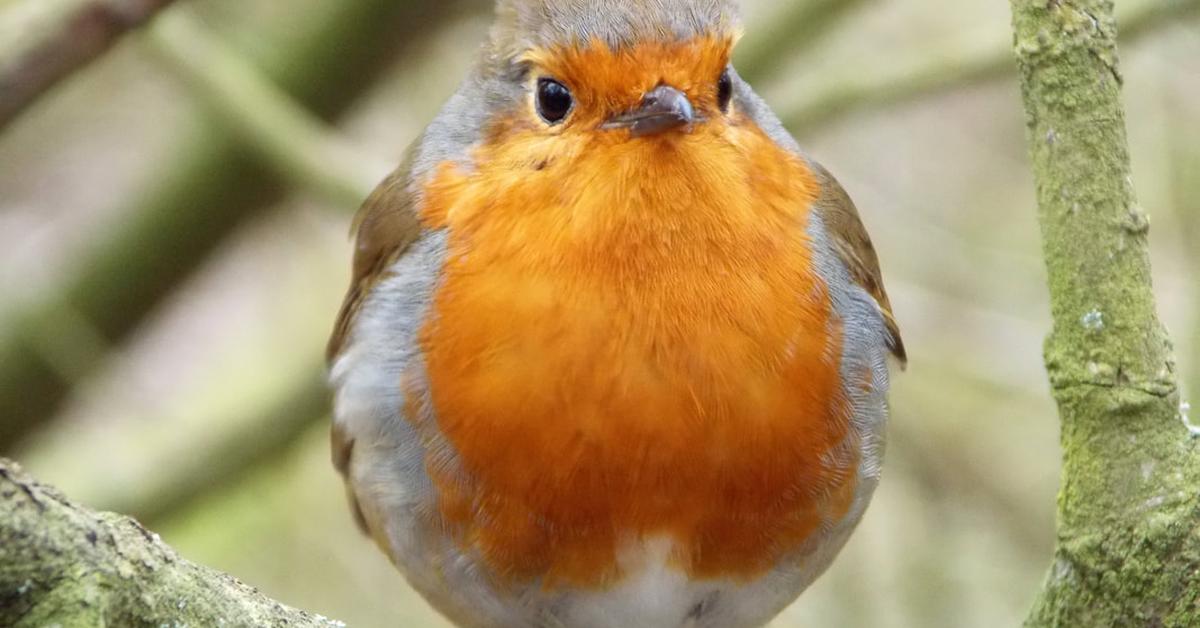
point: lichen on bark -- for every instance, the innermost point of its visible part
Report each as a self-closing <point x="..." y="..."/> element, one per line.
<point x="1128" y="541"/>
<point x="63" y="565"/>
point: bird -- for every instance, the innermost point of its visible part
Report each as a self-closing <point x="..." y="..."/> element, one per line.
<point x="615" y="351"/>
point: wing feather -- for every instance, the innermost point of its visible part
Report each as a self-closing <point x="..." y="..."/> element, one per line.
<point x="386" y="226"/>
<point x="853" y="246"/>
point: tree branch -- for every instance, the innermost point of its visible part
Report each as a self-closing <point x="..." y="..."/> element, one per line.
<point x="61" y="564"/>
<point x="211" y="185"/>
<point x="297" y="145"/>
<point x="44" y="41"/>
<point x="226" y="454"/>
<point x="952" y="67"/>
<point x="1127" y="551"/>
<point x="789" y="33"/>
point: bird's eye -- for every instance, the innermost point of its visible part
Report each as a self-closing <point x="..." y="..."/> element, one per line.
<point x="554" y="100"/>
<point x="724" y="90"/>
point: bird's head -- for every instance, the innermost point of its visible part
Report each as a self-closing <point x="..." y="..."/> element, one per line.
<point x="638" y="95"/>
<point x="626" y="67"/>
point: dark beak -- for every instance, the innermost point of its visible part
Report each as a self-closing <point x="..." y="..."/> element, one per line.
<point x="662" y="109"/>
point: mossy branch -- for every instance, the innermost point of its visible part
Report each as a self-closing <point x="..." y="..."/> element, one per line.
<point x="1128" y="552"/>
<point x="61" y="564"/>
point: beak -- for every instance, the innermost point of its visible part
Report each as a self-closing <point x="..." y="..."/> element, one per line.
<point x="662" y="109"/>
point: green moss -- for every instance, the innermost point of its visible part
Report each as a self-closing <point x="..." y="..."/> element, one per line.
<point x="66" y="566"/>
<point x="1128" y="548"/>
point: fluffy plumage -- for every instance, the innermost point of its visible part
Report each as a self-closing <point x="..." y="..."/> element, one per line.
<point x="589" y="380"/>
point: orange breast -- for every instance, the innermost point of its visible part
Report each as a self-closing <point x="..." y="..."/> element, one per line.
<point x="630" y="340"/>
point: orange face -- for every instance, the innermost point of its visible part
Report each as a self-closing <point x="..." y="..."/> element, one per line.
<point x="606" y="82"/>
<point x="629" y="338"/>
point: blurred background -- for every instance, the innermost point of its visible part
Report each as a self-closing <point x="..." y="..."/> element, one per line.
<point x="173" y="248"/>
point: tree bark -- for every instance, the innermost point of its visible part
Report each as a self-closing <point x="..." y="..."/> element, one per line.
<point x="1128" y="548"/>
<point x="64" y="565"/>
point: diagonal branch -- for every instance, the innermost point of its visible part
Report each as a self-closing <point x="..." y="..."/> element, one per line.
<point x="61" y="564"/>
<point x="174" y="480"/>
<point x="789" y="33"/>
<point x="296" y="144"/>
<point x="44" y="41"/>
<point x="952" y="67"/>
<point x="323" y="56"/>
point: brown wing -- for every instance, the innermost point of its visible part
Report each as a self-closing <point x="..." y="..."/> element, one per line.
<point x="853" y="246"/>
<point x="386" y="226"/>
<point x="341" y="446"/>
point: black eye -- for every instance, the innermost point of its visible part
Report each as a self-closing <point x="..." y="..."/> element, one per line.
<point x="554" y="100"/>
<point x="724" y="91"/>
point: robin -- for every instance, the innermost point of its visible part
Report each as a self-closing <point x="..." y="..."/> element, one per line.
<point x="615" y="352"/>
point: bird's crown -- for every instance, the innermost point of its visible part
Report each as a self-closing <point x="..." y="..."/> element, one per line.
<point x="525" y="24"/>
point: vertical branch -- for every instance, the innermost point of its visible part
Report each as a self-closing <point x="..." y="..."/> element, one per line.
<point x="1127" y="553"/>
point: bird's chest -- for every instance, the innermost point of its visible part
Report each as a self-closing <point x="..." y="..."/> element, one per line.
<point x="612" y="363"/>
<point x="589" y="401"/>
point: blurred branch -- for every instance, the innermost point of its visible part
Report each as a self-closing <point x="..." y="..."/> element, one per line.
<point x="61" y="564"/>
<point x="1127" y="552"/>
<point x="223" y="456"/>
<point x="932" y="447"/>
<point x="44" y="41"/>
<point x="293" y="142"/>
<point x="208" y="188"/>
<point x="940" y="464"/>
<point x="855" y="92"/>
<point x="789" y="33"/>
